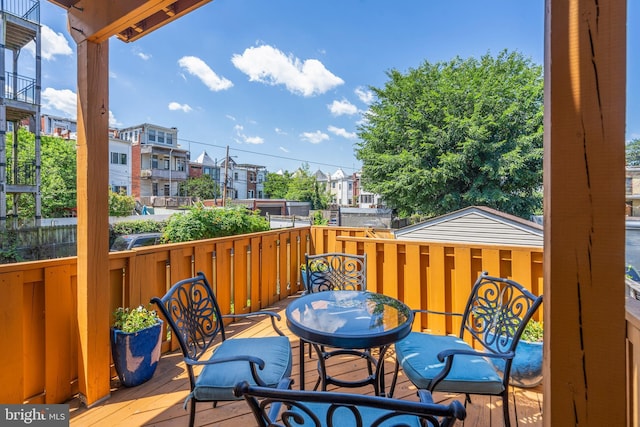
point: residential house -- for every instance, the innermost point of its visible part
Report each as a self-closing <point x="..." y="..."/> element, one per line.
<point x="60" y="127"/>
<point x="632" y="191"/>
<point x="119" y="164"/>
<point x="158" y="164"/>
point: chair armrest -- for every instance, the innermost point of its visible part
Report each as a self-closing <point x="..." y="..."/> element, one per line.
<point x="452" y="352"/>
<point x="251" y="359"/>
<point x="253" y="362"/>
<point x="444" y="313"/>
<point x="273" y="316"/>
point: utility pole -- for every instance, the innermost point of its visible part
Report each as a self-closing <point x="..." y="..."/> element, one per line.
<point x="226" y="173"/>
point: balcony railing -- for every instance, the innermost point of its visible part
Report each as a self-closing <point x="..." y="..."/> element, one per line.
<point x="248" y="272"/>
<point x="20" y="88"/>
<point x="25" y="9"/>
<point x="24" y="173"/>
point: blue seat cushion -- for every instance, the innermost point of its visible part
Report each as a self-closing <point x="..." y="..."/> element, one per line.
<point x="345" y="417"/>
<point x="216" y="382"/>
<point x="418" y="357"/>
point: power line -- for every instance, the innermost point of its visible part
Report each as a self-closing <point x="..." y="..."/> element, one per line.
<point x="267" y="155"/>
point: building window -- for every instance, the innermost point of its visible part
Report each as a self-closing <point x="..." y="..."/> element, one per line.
<point x="123" y="158"/>
<point x="160" y="137"/>
<point x="235" y="176"/>
<point x="114" y="158"/>
<point x="152" y="135"/>
<point x="333" y="185"/>
<point x="154" y="189"/>
<point x="350" y="186"/>
<point x="169" y="139"/>
<point x="167" y="190"/>
<point x="154" y="164"/>
<point x="120" y="189"/>
<point x="629" y="185"/>
<point x="250" y="194"/>
<point x="166" y="163"/>
<point x="180" y="165"/>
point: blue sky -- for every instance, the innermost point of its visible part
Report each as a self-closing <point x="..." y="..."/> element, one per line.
<point x="286" y="82"/>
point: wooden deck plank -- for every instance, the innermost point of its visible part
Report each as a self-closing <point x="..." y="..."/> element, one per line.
<point x="159" y="402"/>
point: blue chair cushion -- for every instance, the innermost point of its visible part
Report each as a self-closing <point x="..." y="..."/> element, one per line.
<point x="216" y="382"/>
<point x="418" y="357"/>
<point x="345" y="417"/>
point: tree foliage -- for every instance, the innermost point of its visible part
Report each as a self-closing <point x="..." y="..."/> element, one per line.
<point x="633" y="152"/>
<point x="454" y="134"/>
<point x="277" y="185"/>
<point x="206" y="223"/>
<point x="203" y="187"/>
<point x="300" y="186"/>
<point x="120" y="204"/>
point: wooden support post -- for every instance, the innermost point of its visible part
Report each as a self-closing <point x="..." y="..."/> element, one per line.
<point x="584" y="313"/>
<point x="93" y="220"/>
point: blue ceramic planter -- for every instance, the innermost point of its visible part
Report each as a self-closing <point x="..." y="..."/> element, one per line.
<point x="526" y="369"/>
<point x="136" y="354"/>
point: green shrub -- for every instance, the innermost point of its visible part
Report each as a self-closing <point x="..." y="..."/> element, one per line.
<point x="139" y="226"/>
<point x="206" y="223"/>
<point x="120" y="204"/>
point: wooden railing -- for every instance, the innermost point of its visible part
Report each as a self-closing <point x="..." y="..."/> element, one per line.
<point x="633" y="361"/>
<point x="249" y="272"/>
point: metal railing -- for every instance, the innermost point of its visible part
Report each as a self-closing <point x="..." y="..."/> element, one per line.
<point x="25" y="9"/>
<point x="20" y="88"/>
<point x="23" y="174"/>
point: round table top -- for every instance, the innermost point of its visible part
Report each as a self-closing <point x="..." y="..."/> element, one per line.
<point x="349" y="319"/>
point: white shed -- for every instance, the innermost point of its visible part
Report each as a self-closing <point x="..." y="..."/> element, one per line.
<point x="476" y="224"/>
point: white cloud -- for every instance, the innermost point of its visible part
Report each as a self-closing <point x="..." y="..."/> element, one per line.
<point x="365" y="95"/>
<point x="342" y="132"/>
<point x="339" y="108"/>
<point x="314" y="137"/>
<point x="284" y="150"/>
<point x="66" y="102"/>
<point x="52" y="44"/>
<point x="144" y="56"/>
<point x="230" y="117"/>
<point x="247" y="139"/>
<point x="197" y="67"/>
<point x="173" y="106"/>
<point x="280" y="131"/>
<point x="63" y="100"/>
<point x="113" y="121"/>
<point x="266" y="64"/>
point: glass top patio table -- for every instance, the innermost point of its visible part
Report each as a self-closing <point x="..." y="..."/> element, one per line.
<point x="349" y="320"/>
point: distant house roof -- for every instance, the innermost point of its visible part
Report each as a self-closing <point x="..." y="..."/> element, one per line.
<point x="476" y="224"/>
<point x="205" y="160"/>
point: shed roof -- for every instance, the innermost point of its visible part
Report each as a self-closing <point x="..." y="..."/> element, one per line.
<point x="476" y="224"/>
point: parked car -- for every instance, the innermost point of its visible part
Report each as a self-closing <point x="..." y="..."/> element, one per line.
<point x="130" y="241"/>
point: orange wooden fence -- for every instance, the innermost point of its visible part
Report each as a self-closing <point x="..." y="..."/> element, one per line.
<point x="39" y="363"/>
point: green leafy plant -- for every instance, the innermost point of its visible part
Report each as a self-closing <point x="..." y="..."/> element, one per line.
<point x="134" y="320"/>
<point x="533" y="332"/>
<point x="316" y="266"/>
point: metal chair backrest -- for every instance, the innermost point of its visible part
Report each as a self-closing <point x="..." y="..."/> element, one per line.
<point x="191" y="309"/>
<point x="335" y="271"/>
<point x="323" y="408"/>
<point x="497" y="312"/>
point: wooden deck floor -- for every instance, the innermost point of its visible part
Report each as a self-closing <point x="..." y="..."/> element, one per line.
<point x="159" y="402"/>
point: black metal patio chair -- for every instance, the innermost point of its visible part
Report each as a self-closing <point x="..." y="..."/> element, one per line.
<point x="336" y="271"/>
<point x="495" y="316"/>
<point x="279" y="407"/>
<point x="192" y="312"/>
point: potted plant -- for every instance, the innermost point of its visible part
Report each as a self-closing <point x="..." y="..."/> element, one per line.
<point x="526" y="368"/>
<point x="318" y="270"/>
<point x="135" y="344"/>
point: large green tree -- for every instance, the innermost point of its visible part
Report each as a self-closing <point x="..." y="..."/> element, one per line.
<point x="57" y="172"/>
<point x="633" y="152"/>
<point x="276" y="185"/>
<point x="203" y="187"/>
<point x="453" y="134"/>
